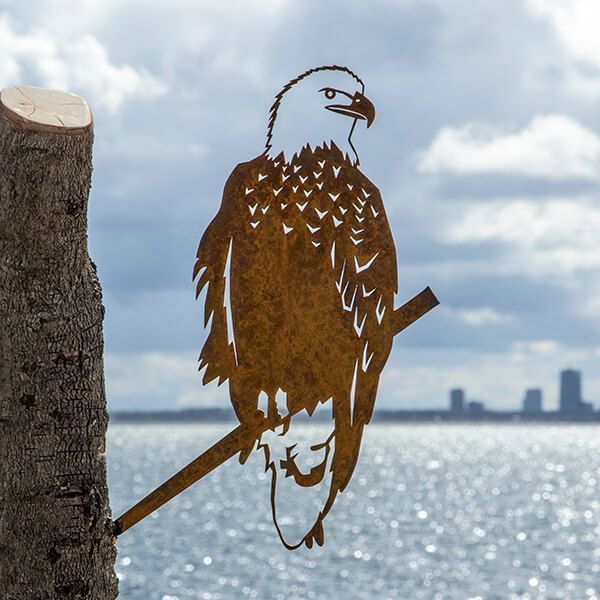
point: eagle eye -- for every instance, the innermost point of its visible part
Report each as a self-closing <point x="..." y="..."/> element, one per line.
<point x="329" y="94"/>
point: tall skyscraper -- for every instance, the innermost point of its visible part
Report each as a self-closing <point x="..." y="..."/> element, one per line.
<point x="457" y="400"/>
<point x="570" y="391"/>
<point x="532" y="403"/>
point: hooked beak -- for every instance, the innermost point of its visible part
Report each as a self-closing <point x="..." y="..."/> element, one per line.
<point x="360" y="108"/>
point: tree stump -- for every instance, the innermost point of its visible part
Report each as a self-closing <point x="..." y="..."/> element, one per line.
<point x="55" y="528"/>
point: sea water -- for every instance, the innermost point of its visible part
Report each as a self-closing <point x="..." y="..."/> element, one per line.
<point x="434" y="511"/>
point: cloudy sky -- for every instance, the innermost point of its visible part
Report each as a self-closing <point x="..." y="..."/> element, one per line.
<point x="486" y="149"/>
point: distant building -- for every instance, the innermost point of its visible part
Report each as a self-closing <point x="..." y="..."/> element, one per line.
<point x="475" y="406"/>
<point x="457" y="400"/>
<point x="570" y="393"/>
<point x="532" y="403"/>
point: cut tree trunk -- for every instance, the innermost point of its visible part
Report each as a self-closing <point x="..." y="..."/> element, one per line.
<point x="55" y="528"/>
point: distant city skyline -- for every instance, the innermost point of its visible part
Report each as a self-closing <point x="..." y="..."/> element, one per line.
<point x="571" y="406"/>
<point x="570" y="399"/>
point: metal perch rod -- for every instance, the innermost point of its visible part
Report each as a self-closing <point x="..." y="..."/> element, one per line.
<point x="241" y="437"/>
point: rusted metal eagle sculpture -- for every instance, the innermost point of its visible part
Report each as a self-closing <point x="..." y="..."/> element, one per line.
<point x="299" y="270"/>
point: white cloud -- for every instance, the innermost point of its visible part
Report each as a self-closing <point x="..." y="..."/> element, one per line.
<point x="169" y="380"/>
<point x="553" y="146"/>
<point x="576" y="24"/>
<point x="559" y="237"/>
<point x="79" y="64"/>
<point x="484" y="315"/>
<point x="522" y="351"/>
<point x="197" y="43"/>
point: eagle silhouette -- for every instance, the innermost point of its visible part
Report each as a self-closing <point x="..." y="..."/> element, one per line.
<point x="301" y="272"/>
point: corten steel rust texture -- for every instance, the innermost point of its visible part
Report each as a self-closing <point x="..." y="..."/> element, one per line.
<point x="299" y="269"/>
<point x="240" y="438"/>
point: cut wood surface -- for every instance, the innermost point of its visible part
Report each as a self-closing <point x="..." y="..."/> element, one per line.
<point x="45" y="110"/>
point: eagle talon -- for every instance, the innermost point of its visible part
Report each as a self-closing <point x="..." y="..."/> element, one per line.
<point x="316" y="534"/>
<point x="287" y="421"/>
<point x="245" y="453"/>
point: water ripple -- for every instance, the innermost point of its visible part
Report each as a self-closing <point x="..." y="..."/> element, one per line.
<point x="433" y="512"/>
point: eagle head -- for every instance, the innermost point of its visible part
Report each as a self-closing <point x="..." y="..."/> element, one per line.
<point x="313" y="109"/>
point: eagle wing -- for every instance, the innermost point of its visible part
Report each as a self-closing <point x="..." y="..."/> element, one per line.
<point x="211" y="271"/>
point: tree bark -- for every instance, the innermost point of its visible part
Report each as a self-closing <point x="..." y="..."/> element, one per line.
<point x="55" y="528"/>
